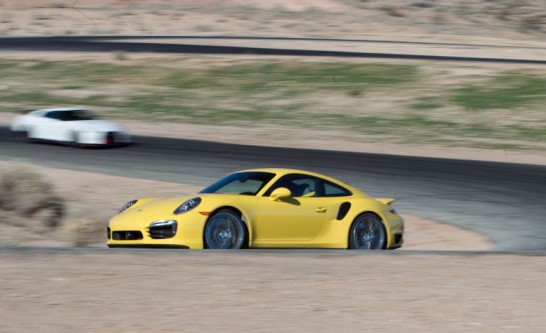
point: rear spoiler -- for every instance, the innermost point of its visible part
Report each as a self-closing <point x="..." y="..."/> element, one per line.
<point x="386" y="201"/>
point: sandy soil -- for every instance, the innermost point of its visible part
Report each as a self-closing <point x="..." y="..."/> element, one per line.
<point x="270" y="291"/>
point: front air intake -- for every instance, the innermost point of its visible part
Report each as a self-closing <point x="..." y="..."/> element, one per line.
<point x="163" y="229"/>
<point x="127" y="235"/>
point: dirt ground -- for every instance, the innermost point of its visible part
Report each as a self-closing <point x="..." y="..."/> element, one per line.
<point x="270" y="291"/>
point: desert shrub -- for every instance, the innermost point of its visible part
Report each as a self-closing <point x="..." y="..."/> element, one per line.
<point x="85" y="225"/>
<point x="30" y="209"/>
<point x="26" y="194"/>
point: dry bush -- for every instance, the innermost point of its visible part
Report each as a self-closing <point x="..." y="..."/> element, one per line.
<point x="26" y="194"/>
<point x="393" y="11"/>
<point x="31" y="211"/>
<point x="85" y="225"/>
<point x="10" y="234"/>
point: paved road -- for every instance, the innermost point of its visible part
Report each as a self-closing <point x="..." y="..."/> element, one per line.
<point x="124" y="43"/>
<point x="505" y="201"/>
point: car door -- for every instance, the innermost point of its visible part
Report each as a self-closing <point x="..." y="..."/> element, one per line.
<point x="292" y="221"/>
<point x="51" y="127"/>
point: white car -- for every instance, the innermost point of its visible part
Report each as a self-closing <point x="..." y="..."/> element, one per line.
<point x="69" y="125"/>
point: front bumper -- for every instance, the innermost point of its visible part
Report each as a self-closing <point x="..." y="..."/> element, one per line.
<point x="126" y="230"/>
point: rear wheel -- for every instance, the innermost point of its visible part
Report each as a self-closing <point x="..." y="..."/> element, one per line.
<point x="367" y="233"/>
<point x="225" y="230"/>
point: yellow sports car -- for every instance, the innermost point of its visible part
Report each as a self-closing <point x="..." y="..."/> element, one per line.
<point x="262" y="208"/>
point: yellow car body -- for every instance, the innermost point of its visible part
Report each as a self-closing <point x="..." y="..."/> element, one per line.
<point x="273" y="215"/>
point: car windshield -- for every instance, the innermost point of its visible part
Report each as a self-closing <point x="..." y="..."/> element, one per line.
<point x="246" y="183"/>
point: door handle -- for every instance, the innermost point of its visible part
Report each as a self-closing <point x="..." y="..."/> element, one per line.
<point x="321" y="210"/>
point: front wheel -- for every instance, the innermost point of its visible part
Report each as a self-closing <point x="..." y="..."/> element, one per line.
<point x="225" y="230"/>
<point x="367" y="233"/>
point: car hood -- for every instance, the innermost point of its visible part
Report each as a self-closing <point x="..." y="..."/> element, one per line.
<point x="96" y="125"/>
<point x="159" y="207"/>
<point x="147" y="210"/>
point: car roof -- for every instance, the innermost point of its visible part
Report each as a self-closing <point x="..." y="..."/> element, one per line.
<point x="276" y="170"/>
<point x="284" y="171"/>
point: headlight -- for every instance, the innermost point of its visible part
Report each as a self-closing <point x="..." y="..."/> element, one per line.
<point x="163" y="223"/>
<point x="187" y="206"/>
<point x="127" y="205"/>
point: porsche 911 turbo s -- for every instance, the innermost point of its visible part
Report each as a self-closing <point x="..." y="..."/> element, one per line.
<point x="69" y="125"/>
<point x="261" y="208"/>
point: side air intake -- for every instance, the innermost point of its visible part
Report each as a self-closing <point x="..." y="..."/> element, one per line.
<point x="343" y="210"/>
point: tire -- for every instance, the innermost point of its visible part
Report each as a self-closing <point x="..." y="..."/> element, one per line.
<point x="367" y="233"/>
<point x="225" y="230"/>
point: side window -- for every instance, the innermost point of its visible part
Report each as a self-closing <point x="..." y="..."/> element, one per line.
<point x="305" y="187"/>
<point x="308" y="186"/>
<point x="299" y="185"/>
<point x="333" y="190"/>
<point x="53" y="115"/>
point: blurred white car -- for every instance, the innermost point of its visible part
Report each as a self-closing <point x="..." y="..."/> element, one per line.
<point x="69" y="125"/>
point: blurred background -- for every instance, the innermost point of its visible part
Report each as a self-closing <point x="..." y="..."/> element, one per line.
<point x="415" y="103"/>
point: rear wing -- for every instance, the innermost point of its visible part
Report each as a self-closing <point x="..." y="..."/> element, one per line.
<point x="386" y="201"/>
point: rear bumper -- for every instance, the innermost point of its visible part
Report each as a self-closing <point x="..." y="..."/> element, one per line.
<point x="396" y="233"/>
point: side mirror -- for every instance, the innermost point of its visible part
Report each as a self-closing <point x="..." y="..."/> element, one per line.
<point x="280" y="194"/>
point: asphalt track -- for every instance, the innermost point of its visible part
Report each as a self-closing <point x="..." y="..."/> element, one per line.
<point x="504" y="201"/>
<point x="124" y="43"/>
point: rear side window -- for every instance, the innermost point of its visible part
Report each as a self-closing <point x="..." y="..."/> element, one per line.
<point x="333" y="190"/>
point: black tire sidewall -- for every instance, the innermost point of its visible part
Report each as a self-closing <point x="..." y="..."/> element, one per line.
<point x="352" y="245"/>
<point x="239" y="221"/>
